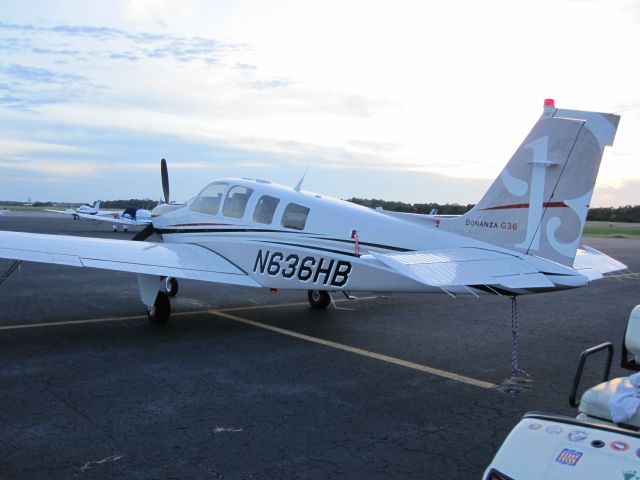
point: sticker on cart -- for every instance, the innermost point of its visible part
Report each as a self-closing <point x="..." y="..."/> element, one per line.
<point x="554" y="430"/>
<point x="629" y="475"/>
<point x="577" y="435"/>
<point x="535" y="426"/>
<point x="619" y="446"/>
<point x="568" y="457"/>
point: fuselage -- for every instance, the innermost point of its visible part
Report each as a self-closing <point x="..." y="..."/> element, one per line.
<point x="285" y="238"/>
<point x="86" y="209"/>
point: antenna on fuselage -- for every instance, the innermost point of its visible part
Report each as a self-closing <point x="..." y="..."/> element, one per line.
<point x="299" y="185"/>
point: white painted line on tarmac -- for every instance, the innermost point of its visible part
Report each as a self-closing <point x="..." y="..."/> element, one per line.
<point x="293" y="304"/>
<point x="70" y="322"/>
<point x="93" y="320"/>
<point x="358" y="351"/>
<point x="223" y="313"/>
<point x="142" y="317"/>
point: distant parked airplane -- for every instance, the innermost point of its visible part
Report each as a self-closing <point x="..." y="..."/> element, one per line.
<point x="83" y="211"/>
<point x="131" y="216"/>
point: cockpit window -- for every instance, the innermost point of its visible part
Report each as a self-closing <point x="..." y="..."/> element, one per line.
<point x="265" y="208"/>
<point x="236" y="201"/>
<point x="295" y="216"/>
<point x="208" y="201"/>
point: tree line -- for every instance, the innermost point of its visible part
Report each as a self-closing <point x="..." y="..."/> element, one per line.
<point x="146" y="203"/>
<point x="627" y="213"/>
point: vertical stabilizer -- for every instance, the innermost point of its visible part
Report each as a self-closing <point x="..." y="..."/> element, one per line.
<point x="539" y="203"/>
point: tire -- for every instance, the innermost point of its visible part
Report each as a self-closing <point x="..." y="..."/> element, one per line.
<point x="319" y="298"/>
<point x="162" y="310"/>
<point x="171" y="286"/>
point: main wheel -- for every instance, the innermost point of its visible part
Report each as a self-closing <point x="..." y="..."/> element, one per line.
<point x="171" y="286"/>
<point x="161" y="309"/>
<point x="319" y="298"/>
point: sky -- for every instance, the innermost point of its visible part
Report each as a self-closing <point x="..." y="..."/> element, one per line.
<point x="405" y="100"/>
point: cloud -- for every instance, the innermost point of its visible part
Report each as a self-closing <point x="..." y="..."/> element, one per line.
<point x="24" y="73"/>
<point x="27" y="87"/>
<point x="112" y="41"/>
<point x="125" y="56"/>
<point x="245" y="67"/>
<point x="271" y="84"/>
<point x="57" y="168"/>
<point x="610" y="194"/>
<point x="50" y="51"/>
<point x="22" y="147"/>
<point x="84" y="30"/>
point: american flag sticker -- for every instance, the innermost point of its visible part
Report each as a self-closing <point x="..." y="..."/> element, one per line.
<point x="568" y="457"/>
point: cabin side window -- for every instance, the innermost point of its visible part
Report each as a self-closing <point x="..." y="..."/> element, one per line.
<point x="208" y="201"/>
<point x="295" y="216"/>
<point x="265" y="208"/>
<point x="236" y="201"/>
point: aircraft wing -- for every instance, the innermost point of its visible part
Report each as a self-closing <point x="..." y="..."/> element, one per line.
<point x="120" y="220"/>
<point x="593" y="263"/>
<point x="466" y="267"/>
<point x="65" y="212"/>
<point x="163" y="259"/>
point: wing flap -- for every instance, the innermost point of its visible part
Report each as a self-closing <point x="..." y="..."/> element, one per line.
<point x="165" y="259"/>
<point x="466" y="266"/>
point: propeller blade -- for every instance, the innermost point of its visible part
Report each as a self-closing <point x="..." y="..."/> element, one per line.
<point x="143" y="234"/>
<point x="165" y="179"/>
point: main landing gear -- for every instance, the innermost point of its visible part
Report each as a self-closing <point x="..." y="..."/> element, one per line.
<point x="155" y="292"/>
<point x="319" y="298"/>
<point x="171" y="286"/>
<point x="161" y="311"/>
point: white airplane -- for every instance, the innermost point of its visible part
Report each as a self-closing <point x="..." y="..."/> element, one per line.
<point x="131" y="216"/>
<point x="4" y="211"/>
<point x="521" y="238"/>
<point x="134" y="216"/>
<point x="84" y="211"/>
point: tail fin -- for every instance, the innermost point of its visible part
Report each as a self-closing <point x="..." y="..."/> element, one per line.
<point x="539" y="203"/>
<point x="96" y="204"/>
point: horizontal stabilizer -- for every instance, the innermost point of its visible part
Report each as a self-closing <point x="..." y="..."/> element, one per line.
<point x="465" y="267"/>
<point x="593" y="264"/>
<point x="163" y="259"/>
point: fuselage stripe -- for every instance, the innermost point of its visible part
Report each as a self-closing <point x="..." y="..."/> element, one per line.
<point x="311" y="247"/>
<point x="170" y="231"/>
<point x="526" y="205"/>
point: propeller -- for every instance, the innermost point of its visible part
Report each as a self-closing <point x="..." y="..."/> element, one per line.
<point x="147" y="231"/>
<point x="164" y="174"/>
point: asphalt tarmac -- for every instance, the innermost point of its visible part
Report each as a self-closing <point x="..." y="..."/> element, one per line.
<point x="244" y="384"/>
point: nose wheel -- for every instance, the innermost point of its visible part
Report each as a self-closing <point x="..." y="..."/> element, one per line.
<point x="319" y="298"/>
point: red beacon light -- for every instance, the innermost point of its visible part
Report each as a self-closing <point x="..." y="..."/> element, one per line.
<point x="549" y="102"/>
